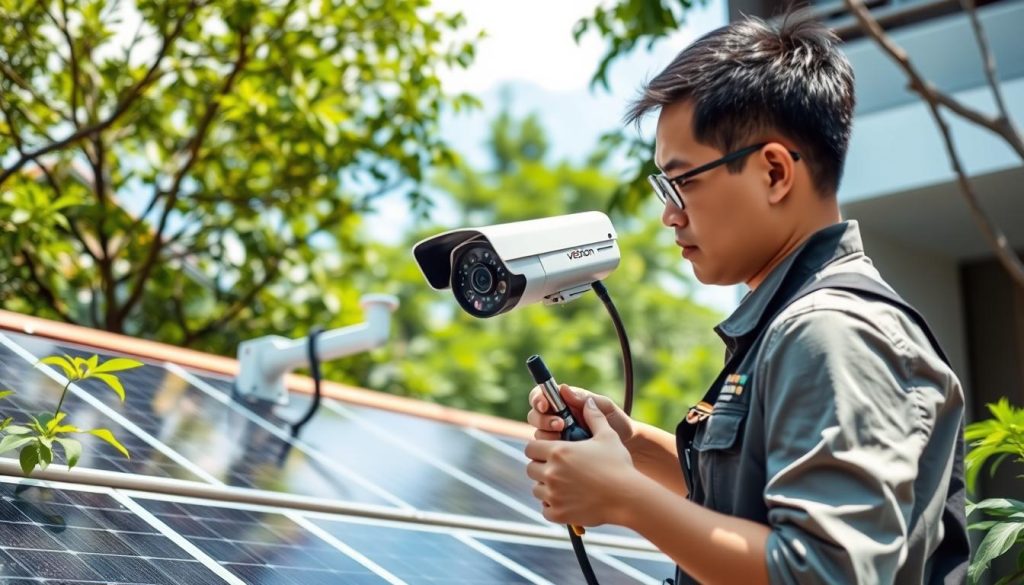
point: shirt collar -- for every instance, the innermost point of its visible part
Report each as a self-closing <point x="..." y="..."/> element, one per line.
<point x="821" y="249"/>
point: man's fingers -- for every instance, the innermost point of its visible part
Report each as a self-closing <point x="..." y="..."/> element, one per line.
<point x="537" y="400"/>
<point x="544" y="422"/>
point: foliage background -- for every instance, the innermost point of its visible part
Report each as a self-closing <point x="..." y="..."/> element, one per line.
<point x="201" y="172"/>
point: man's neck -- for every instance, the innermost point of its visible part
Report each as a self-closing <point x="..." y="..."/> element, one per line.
<point x="794" y="240"/>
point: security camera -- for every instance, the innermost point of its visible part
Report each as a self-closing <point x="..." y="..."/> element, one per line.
<point x="495" y="268"/>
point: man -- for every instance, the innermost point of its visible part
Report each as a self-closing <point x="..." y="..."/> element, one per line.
<point x="830" y="450"/>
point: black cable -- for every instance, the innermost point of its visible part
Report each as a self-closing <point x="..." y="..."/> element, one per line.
<point x="627" y="355"/>
<point x="582" y="558"/>
<point x="314" y="368"/>
<point x="627" y="407"/>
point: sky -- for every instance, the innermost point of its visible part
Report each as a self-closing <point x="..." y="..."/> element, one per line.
<point x="530" y="51"/>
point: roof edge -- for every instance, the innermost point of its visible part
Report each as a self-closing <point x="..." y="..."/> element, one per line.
<point x="153" y="350"/>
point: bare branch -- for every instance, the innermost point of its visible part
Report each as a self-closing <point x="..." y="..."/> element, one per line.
<point x="194" y="145"/>
<point x="987" y="57"/>
<point x="996" y="238"/>
<point x="925" y="89"/>
<point x="122" y="107"/>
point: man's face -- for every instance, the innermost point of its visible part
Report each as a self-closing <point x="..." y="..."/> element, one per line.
<point x="725" y="228"/>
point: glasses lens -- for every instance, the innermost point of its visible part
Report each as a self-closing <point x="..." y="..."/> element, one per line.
<point x="664" y="190"/>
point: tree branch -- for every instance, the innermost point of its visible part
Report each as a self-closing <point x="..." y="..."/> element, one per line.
<point x="996" y="238"/>
<point x="25" y="85"/>
<point x="194" y="146"/>
<point x="74" y="60"/>
<point x="243" y="302"/>
<point x="122" y="107"/>
<point x="925" y="89"/>
<point x="989" y="60"/>
<point x="44" y="290"/>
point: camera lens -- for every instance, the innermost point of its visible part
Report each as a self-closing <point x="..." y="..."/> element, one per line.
<point x="481" y="278"/>
<point x="481" y="281"/>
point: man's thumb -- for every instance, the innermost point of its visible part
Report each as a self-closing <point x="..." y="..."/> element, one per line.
<point x="596" y="420"/>
<point x="571" y="396"/>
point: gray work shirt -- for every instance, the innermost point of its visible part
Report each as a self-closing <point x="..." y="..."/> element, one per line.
<point x="838" y="430"/>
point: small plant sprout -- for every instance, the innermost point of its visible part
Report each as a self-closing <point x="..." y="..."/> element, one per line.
<point x="36" y="438"/>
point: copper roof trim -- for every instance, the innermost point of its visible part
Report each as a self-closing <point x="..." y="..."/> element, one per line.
<point x="155" y="351"/>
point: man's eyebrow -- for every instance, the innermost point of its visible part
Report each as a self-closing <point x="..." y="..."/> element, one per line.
<point x="674" y="164"/>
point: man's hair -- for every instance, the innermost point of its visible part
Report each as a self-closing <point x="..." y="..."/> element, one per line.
<point x="750" y="77"/>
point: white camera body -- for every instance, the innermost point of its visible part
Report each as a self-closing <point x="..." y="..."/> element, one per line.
<point x="495" y="268"/>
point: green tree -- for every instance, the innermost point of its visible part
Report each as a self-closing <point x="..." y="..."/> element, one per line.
<point x="181" y="169"/>
<point x="442" y="354"/>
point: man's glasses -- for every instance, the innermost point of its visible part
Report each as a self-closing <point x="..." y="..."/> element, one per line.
<point x="671" y="188"/>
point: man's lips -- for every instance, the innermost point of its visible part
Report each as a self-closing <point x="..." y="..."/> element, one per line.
<point x="687" y="248"/>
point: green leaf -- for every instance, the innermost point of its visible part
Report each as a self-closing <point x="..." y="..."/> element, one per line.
<point x="69" y="369"/>
<point x="998" y="540"/>
<point x="45" y="454"/>
<point x="29" y="457"/>
<point x="107" y="436"/>
<point x="999" y="506"/>
<point x="72" y="451"/>
<point x="53" y="422"/>
<point x="11" y="442"/>
<point x="18" y="430"/>
<point x="112" y="381"/>
<point x="5" y="393"/>
<point x="116" y="365"/>
<point x="81" y="366"/>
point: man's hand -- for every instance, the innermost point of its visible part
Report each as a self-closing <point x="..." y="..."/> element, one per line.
<point x="585" y="483"/>
<point x="549" y="426"/>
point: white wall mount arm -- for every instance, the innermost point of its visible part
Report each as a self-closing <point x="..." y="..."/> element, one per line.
<point x="264" y="361"/>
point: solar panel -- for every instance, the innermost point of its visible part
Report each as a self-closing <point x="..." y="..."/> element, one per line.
<point x="417" y="556"/>
<point x="180" y="424"/>
<point x="35" y="393"/>
<point x="656" y="566"/>
<point x="487" y="458"/>
<point x="83" y="537"/>
<point x="216" y="440"/>
<point x="260" y="546"/>
<point x="385" y="458"/>
<point x="557" y="562"/>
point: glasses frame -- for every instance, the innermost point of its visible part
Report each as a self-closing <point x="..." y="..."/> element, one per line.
<point x="668" y="188"/>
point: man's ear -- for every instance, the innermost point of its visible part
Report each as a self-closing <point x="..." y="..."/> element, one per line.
<point x="780" y="168"/>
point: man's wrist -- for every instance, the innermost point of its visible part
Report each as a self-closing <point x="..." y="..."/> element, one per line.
<point x="631" y="491"/>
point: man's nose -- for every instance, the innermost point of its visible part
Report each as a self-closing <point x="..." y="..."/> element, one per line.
<point x="672" y="216"/>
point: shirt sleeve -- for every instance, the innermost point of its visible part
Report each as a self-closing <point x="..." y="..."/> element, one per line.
<point x="847" y="415"/>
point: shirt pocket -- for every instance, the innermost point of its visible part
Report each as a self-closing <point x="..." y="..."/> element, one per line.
<point x="722" y="429"/>
<point x="719" y="454"/>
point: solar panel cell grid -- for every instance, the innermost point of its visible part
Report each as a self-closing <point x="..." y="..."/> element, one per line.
<point x="260" y="547"/>
<point x="80" y="537"/>
<point x="419" y="557"/>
